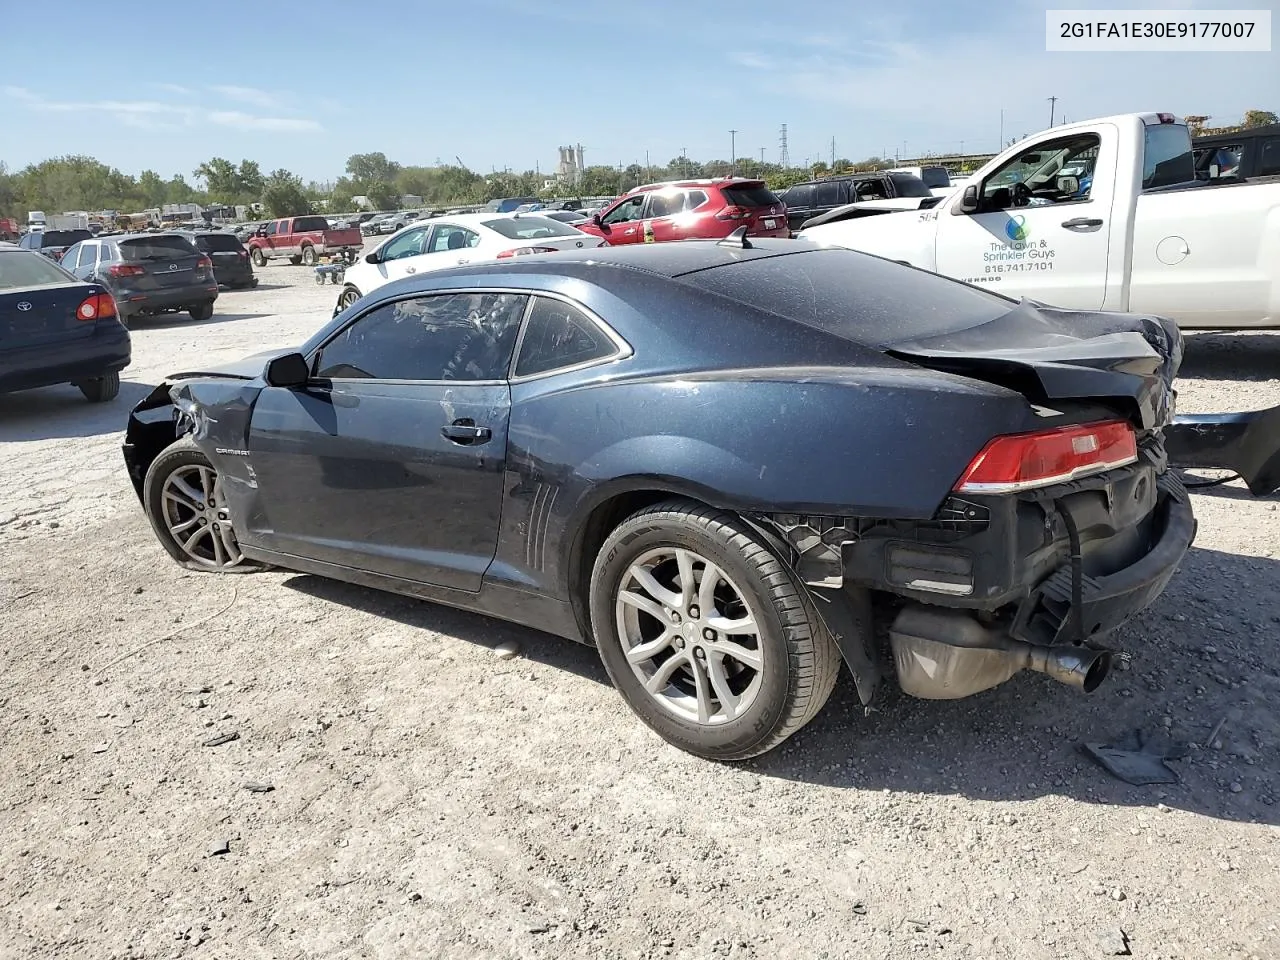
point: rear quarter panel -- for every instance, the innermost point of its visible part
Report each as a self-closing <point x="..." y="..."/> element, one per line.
<point x="871" y="442"/>
<point x="1229" y="275"/>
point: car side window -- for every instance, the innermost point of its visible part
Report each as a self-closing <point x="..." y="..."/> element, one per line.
<point x="270" y="228"/>
<point x="694" y="199"/>
<point x="411" y="243"/>
<point x="454" y="336"/>
<point x="70" y="256"/>
<point x="559" y="335"/>
<point x="666" y="203"/>
<point x="448" y="237"/>
<point x="28" y="241"/>
<point x="88" y="256"/>
<point x="626" y="211"/>
<point x="827" y="194"/>
<point x="869" y="190"/>
<point x="1269" y="158"/>
<point x="1043" y="174"/>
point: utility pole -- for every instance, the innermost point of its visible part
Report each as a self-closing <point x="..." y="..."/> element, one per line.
<point x="1053" y="102"/>
<point x="833" y="154"/>
<point x="762" y="156"/>
<point x="1001" y="129"/>
<point x="648" y="170"/>
<point x="733" y="147"/>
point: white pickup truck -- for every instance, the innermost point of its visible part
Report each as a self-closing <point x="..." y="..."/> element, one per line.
<point x="1099" y="215"/>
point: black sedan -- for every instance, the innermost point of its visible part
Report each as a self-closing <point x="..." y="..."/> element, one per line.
<point x="55" y="329"/>
<point x="718" y="462"/>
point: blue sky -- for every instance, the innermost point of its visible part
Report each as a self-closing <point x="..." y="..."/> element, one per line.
<point x="504" y="82"/>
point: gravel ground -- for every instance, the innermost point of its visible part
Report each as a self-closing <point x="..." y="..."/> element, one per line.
<point x="432" y="799"/>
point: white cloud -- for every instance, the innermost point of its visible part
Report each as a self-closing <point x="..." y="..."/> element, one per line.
<point x="244" y="121"/>
<point x="752" y="61"/>
<point x="174" y="88"/>
<point x="249" y="95"/>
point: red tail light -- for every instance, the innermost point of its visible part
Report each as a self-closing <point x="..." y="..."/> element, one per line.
<point x="125" y="270"/>
<point x="204" y="263"/>
<point x="734" y="213"/>
<point x="524" y="251"/>
<point x="96" y="306"/>
<point x="1021" y="461"/>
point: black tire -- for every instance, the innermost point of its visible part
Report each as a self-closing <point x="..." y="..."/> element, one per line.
<point x="201" y="311"/>
<point x="309" y="256"/>
<point x="179" y="455"/>
<point x="101" y="389"/>
<point x="259" y="260"/>
<point x="295" y="259"/>
<point x="799" y="659"/>
<point x="347" y="297"/>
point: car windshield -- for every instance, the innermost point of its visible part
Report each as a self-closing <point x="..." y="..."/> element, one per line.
<point x="18" y="268"/>
<point x="530" y="228"/>
<point x="855" y="296"/>
<point x="303" y="224"/>
<point x="64" y="238"/>
<point x="935" y="177"/>
<point x="218" y="242"/>
<point x="911" y="186"/>
<point x="750" y="195"/>
<point x="156" y="248"/>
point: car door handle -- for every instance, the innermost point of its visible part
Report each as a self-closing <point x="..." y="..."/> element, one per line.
<point x="1080" y="222"/>
<point x="631" y="230"/>
<point x="463" y="260"/>
<point x="410" y="269"/>
<point x="465" y="432"/>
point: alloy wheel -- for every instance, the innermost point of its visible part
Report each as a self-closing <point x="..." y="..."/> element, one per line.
<point x="196" y="517"/>
<point x="689" y="635"/>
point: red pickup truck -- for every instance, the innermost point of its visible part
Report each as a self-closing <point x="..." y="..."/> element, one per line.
<point x="303" y="240"/>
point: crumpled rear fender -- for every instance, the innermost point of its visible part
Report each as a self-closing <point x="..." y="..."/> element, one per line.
<point x="1246" y="443"/>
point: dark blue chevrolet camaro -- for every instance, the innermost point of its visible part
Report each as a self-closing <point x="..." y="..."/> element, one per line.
<point x="719" y="463"/>
<point x="57" y="329"/>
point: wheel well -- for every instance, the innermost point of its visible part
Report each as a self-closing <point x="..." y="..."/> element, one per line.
<point x="600" y="523"/>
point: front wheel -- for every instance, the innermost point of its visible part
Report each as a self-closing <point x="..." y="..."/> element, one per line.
<point x="184" y="501"/>
<point x="309" y="256"/>
<point x="707" y="635"/>
<point x="259" y="260"/>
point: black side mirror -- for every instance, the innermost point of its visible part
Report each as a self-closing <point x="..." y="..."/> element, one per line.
<point x="290" y="370"/>
<point x="372" y="257"/>
<point x="595" y="218"/>
<point x="968" y="200"/>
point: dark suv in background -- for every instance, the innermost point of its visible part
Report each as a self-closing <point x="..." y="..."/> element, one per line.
<point x="148" y="273"/>
<point x="807" y="200"/>
<point x="231" y="265"/>
<point x="53" y="243"/>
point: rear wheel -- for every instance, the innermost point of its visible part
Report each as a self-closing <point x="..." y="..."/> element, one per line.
<point x="348" y="297"/>
<point x="100" y="389"/>
<point x="309" y="256"/>
<point x="201" y="311"/>
<point x="259" y="260"/>
<point x="183" y="498"/>
<point x="707" y="635"/>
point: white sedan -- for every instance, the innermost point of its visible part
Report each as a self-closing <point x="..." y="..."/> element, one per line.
<point x="449" y="241"/>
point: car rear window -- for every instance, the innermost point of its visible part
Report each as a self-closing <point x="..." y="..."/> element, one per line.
<point x="530" y="228"/>
<point x="303" y="224"/>
<point x="853" y="295"/>
<point x="908" y="185"/>
<point x="218" y="242"/>
<point x="25" y="269"/>
<point x="935" y="177"/>
<point x="64" y="238"/>
<point x="750" y="195"/>
<point x="156" y="248"/>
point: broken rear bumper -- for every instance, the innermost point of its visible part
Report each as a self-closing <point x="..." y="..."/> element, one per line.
<point x="1246" y="443"/>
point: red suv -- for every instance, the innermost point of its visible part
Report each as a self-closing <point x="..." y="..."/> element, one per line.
<point x="691" y="210"/>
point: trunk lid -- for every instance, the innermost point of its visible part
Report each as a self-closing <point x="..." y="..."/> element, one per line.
<point x="1127" y="362"/>
<point x="33" y="316"/>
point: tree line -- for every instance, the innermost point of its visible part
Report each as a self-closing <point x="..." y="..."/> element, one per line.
<point x="83" y="183"/>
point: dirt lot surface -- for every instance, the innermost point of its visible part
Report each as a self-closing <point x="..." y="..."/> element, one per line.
<point x="433" y="800"/>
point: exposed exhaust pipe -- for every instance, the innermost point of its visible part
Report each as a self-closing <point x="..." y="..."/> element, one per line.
<point x="947" y="654"/>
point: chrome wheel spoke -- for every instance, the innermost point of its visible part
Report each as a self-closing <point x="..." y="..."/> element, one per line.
<point x="742" y="625"/>
<point x="707" y="589"/>
<point x="702" y="690"/>
<point x="206" y="484"/>
<point x="646" y="651"/>
<point x="189" y="544"/>
<point x="180" y="485"/>
<point x="649" y="606"/>
<point x="645" y="578"/>
<point x="184" y="526"/>
<point x="744" y="655"/>
<point x="228" y="538"/>
<point x="720" y="684"/>
<point x="684" y="563"/>
<point x="662" y="676"/>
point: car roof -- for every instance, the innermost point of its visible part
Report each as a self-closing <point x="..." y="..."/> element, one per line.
<point x="697" y="182"/>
